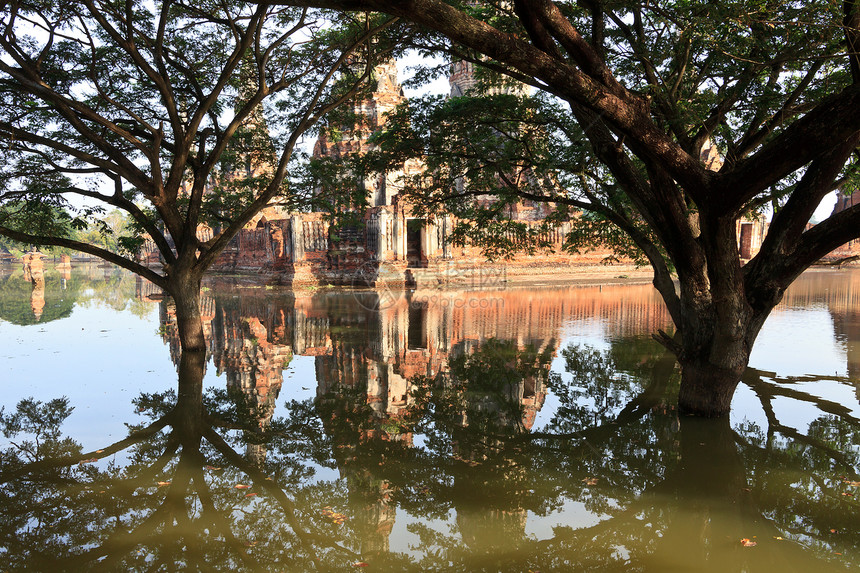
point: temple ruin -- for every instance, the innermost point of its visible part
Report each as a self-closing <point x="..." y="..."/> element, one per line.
<point x="392" y="245"/>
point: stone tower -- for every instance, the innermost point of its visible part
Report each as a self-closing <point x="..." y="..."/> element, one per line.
<point x="370" y="113"/>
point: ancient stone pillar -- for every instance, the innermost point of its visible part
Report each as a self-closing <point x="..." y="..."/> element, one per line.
<point x="297" y="238"/>
<point x="382" y="252"/>
<point x="398" y="241"/>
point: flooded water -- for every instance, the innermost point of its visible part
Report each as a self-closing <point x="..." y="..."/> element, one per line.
<point x="496" y="430"/>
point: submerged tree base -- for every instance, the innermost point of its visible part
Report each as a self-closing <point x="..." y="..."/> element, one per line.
<point x="706" y="391"/>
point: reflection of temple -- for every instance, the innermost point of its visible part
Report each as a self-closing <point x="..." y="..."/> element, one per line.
<point x="34" y="271"/>
<point x="251" y="355"/>
<point x="368" y="348"/>
<point x="842" y="300"/>
<point x="373" y="342"/>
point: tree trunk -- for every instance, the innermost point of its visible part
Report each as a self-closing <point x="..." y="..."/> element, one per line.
<point x="718" y="326"/>
<point x="707" y="389"/>
<point x="184" y="287"/>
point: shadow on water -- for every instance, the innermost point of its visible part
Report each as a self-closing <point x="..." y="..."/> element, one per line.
<point x="463" y="467"/>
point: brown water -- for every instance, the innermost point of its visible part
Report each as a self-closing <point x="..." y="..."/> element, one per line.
<point x="496" y="430"/>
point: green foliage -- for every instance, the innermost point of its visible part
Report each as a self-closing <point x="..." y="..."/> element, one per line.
<point x="177" y="115"/>
<point x="42" y="213"/>
<point x="490" y="158"/>
<point x="41" y="421"/>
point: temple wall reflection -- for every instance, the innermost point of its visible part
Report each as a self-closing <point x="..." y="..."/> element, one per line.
<point x="841" y="298"/>
<point x="375" y="341"/>
<point x="370" y="346"/>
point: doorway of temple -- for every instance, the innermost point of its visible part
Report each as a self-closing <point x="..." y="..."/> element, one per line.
<point x="415" y="256"/>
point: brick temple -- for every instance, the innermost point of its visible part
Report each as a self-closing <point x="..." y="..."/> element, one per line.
<point x="393" y="245"/>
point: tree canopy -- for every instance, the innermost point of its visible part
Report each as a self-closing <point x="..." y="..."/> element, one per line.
<point x="138" y="107"/>
<point x="146" y="108"/>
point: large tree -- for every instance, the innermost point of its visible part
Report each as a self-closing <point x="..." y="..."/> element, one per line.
<point x="775" y="86"/>
<point x="139" y="106"/>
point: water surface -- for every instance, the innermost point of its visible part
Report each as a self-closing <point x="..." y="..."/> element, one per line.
<point x="493" y="430"/>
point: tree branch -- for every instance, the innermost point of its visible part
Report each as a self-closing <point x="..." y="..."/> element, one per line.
<point x="118" y="260"/>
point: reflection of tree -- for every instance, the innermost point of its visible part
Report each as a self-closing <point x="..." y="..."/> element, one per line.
<point x="659" y="492"/>
<point x="170" y="504"/>
<point x="624" y="383"/>
<point x="814" y="466"/>
<point x="672" y="493"/>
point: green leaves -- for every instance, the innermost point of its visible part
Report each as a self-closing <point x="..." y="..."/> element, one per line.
<point x="39" y="422"/>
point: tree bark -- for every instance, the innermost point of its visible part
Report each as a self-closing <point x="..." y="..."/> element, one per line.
<point x="716" y="340"/>
<point x="707" y="389"/>
<point x="718" y="325"/>
<point x="184" y="286"/>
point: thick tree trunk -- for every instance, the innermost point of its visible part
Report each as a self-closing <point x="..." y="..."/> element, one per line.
<point x="707" y="389"/>
<point x="717" y="325"/>
<point x="716" y="337"/>
<point x="184" y="287"/>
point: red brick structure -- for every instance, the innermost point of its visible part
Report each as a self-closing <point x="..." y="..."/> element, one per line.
<point x="851" y="248"/>
<point x="393" y="245"/>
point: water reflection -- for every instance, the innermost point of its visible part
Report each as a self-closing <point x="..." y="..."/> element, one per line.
<point x="48" y="293"/>
<point x="441" y="437"/>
